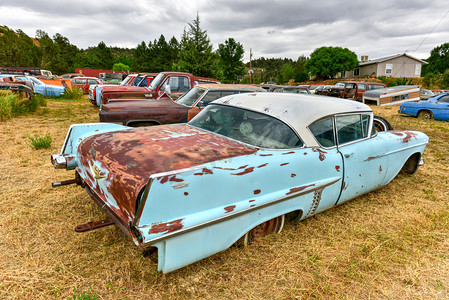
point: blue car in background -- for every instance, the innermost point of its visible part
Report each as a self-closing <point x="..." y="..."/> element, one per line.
<point x="436" y="107"/>
<point x="48" y="90"/>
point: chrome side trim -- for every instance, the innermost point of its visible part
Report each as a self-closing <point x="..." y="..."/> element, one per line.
<point x="400" y="150"/>
<point x="236" y="214"/>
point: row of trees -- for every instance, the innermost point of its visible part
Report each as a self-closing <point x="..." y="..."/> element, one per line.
<point x="192" y="53"/>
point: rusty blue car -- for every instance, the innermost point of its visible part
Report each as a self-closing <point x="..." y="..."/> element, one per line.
<point x="234" y="172"/>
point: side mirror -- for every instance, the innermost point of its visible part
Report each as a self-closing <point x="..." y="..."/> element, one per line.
<point x="168" y="90"/>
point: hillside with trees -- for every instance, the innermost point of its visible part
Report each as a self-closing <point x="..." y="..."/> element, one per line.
<point x="192" y="53"/>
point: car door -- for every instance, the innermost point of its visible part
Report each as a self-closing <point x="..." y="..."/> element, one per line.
<point x="365" y="162"/>
<point x="440" y="108"/>
<point x="361" y="88"/>
<point x="330" y="164"/>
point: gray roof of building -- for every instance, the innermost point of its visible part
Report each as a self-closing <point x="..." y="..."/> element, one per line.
<point x="379" y="60"/>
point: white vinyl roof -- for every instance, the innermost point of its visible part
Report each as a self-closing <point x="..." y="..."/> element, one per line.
<point x="297" y="110"/>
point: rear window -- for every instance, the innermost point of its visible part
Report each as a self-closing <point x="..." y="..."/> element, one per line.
<point x="323" y="131"/>
<point x="375" y="86"/>
<point x="250" y="127"/>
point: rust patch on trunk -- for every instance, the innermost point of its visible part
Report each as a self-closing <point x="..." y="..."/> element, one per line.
<point x="166" y="227"/>
<point x="266" y="154"/>
<point x="229" y="209"/>
<point x="337" y="168"/>
<point x="131" y="156"/>
<point x="298" y="189"/>
<point x="293" y="175"/>
<point x="264" y="165"/>
<point x="252" y="200"/>
<point x="256" y="192"/>
<point x="284" y="164"/>
<point x="204" y="171"/>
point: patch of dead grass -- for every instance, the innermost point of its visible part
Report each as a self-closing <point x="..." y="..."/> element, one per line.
<point x="390" y="243"/>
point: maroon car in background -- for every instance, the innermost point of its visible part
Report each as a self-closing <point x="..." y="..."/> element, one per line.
<point x="178" y="83"/>
<point x="142" y="112"/>
<point x="84" y="82"/>
<point x="355" y="89"/>
<point x="137" y="79"/>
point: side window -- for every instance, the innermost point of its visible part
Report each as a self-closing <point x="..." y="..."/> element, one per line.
<point x="210" y="96"/>
<point x="444" y="99"/>
<point x="389" y="69"/>
<point x="178" y="84"/>
<point x="365" y="124"/>
<point x="214" y="95"/>
<point x="362" y="87"/>
<point x="323" y="131"/>
<point x="91" y="81"/>
<point x="349" y="128"/>
<point x="80" y="81"/>
<point x="350" y="86"/>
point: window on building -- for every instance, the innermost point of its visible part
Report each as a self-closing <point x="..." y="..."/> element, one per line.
<point x="357" y="72"/>
<point x="389" y="69"/>
<point x="418" y="69"/>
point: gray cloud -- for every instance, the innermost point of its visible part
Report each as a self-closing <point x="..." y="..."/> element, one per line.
<point x="282" y="28"/>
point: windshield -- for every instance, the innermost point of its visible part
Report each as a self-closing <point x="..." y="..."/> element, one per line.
<point x="250" y="127"/>
<point x="339" y="84"/>
<point x="189" y="98"/>
<point x="156" y="81"/>
<point x="126" y="80"/>
<point x="36" y="81"/>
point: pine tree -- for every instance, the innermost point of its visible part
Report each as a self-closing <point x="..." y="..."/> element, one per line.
<point x="231" y="55"/>
<point x="196" y="55"/>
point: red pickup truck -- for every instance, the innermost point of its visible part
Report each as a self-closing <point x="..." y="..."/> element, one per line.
<point x="175" y="83"/>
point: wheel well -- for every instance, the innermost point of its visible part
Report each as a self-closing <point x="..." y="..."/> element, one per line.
<point x="424" y="110"/>
<point x="412" y="163"/>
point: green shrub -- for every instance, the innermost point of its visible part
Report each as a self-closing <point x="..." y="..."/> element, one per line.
<point x="12" y="104"/>
<point x="90" y="295"/>
<point x="38" y="142"/>
<point x="75" y="94"/>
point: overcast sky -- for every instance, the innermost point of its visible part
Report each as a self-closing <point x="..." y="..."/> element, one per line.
<point x="272" y="29"/>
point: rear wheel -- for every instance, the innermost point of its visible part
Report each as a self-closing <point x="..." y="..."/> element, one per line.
<point x="271" y="226"/>
<point x="382" y="124"/>
<point x="425" y="115"/>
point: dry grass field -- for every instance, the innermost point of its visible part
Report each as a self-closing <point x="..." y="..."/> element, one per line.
<point x="389" y="244"/>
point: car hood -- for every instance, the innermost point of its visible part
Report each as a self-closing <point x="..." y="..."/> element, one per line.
<point x="133" y="104"/>
<point x="117" y="165"/>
